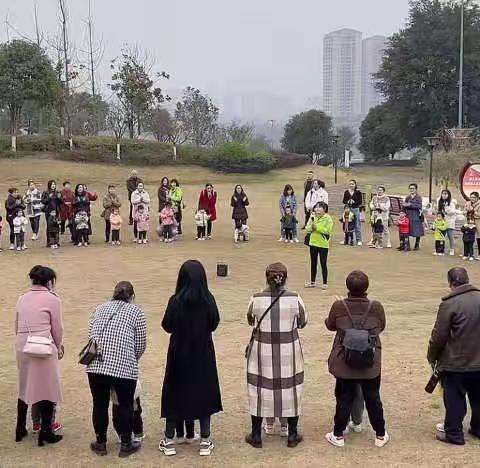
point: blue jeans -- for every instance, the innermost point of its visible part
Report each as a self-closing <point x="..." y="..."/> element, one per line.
<point x="451" y="240"/>
<point x="358" y="224"/>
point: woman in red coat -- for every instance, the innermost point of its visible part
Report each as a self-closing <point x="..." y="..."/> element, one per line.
<point x="208" y="201"/>
<point x="66" y="208"/>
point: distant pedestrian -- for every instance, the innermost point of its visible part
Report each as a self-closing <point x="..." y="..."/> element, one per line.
<point x="163" y="193"/>
<point x="139" y="197"/>
<point x="469" y="231"/>
<point x="208" y="202"/>
<point x="132" y="184"/>
<point x="176" y="197"/>
<point x="288" y="200"/>
<point x="111" y="202"/>
<point x="51" y="201"/>
<point x="413" y="208"/>
<point x="307" y="186"/>
<point x="239" y="203"/>
<point x="33" y="207"/>
<point x="66" y="209"/>
<point x="13" y="203"/>
<point x="353" y="198"/>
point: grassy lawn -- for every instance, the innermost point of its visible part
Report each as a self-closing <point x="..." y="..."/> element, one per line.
<point x="409" y="285"/>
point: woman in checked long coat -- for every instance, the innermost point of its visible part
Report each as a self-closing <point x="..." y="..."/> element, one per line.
<point x="275" y="359"/>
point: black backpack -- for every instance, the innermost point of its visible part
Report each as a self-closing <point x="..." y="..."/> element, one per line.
<point x="358" y="344"/>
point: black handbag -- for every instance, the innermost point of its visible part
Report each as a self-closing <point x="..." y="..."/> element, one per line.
<point x="248" y="349"/>
<point x="90" y="351"/>
<point x="306" y="241"/>
<point x="433" y="381"/>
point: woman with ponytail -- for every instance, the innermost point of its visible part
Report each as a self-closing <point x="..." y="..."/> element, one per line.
<point x="275" y="358"/>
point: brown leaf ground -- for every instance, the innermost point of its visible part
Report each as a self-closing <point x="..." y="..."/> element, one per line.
<point x="408" y="285"/>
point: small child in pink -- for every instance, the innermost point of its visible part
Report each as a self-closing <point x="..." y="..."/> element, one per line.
<point x="116" y="224"/>
<point x="167" y="217"/>
<point x="142" y="218"/>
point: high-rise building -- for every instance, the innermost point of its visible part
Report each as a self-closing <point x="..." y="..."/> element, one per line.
<point x="342" y="76"/>
<point x="372" y="55"/>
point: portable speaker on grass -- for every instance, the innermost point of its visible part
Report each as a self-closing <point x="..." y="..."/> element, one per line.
<point x="222" y="269"/>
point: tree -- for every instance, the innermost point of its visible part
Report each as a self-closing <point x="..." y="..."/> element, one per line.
<point x="347" y="137"/>
<point x="419" y="74"/>
<point x="161" y="124"/>
<point x="88" y="113"/>
<point x="26" y="74"/>
<point x="197" y="117"/>
<point x="116" y="120"/>
<point x="134" y="87"/>
<point x="237" y="132"/>
<point x="381" y="136"/>
<point x="308" y="132"/>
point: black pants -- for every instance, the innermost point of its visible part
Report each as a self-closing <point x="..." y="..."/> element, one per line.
<point x="115" y="235"/>
<point x="63" y="222"/>
<point x="468" y="249"/>
<point x="171" y="426"/>
<point x="35" y="224"/>
<point x="404" y="242"/>
<point x="52" y="238"/>
<point x="209" y="227"/>
<point x="185" y="429"/>
<point x="108" y="228"/>
<point x="316" y="252"/>
<point x="130" y="216"/>
<point x="257" y="426"/>
<point x="478" y="246"/>
<point x="457" y="385"/>
<point x="137" y="418"/>
<point x="439" y="247"/>
<point x="307" y="216"/>
<point x="201" y="232"/>
<point x="348" y="240"/>
<point x="100" y="386"/>
<point x="142" y="235"/>
<point x="288" y="232"/>
<point x="12" y="233"/>
<point x="135" y="230"/>
<point x="82" y="236"/>
<point x="417" y="242"/>
<point x="19" y="239"/>
<point x="345" y="391"/>
<point x="178" y="218"/>
<point x="46" y="414"/>
<point x="167" y="231"/>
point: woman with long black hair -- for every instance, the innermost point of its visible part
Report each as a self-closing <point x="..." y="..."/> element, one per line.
<point x="190" y="388"/>
<point x="352" y="197"/>
<point x="163" y="193"/>
<point x="239" y="203"/>
<point x="51" y="201"/>
<point x="448" y="207"/>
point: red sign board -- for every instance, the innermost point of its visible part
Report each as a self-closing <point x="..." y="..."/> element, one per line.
<point x="470" y="179"/>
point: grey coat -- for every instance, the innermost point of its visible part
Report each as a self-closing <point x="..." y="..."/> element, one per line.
<point x="413" y="208"/>
<point x="454" y="341"/>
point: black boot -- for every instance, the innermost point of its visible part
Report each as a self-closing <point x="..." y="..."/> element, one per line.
<point x="21" y="430"/>
<point x="294" y="440"/>
<point x="129" y="448"/>
<point x="255" y="442"/>
<point x="46" y="433"/>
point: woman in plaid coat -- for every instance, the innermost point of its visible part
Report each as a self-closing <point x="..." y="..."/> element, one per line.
<point x="275" y="358"/>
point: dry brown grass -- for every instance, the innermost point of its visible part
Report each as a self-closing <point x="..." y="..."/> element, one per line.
<point x="408" y="285"/>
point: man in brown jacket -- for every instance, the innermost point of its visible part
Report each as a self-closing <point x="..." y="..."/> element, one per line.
<point x="454" y="349"/>
<point x="356" y="311"/>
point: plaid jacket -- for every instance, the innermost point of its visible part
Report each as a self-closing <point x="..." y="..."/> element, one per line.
<point x="275" y="365"/>
<point x="120" y="329"/>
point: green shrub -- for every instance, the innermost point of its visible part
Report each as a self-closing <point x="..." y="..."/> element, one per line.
<point x="285" y="160"/>
<point x="235" y="157"/>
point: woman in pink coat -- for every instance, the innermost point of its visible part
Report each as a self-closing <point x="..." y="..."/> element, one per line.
<point x="39" y="378"/>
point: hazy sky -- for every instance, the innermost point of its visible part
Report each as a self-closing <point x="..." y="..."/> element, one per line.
<point x="220" y="45"/>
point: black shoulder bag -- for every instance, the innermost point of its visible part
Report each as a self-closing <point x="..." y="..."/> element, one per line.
<point x="358" y="344"/>
<point x="248" y="349"/>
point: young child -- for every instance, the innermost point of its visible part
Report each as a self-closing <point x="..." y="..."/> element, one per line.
<point x="469" y="231"/>
<point x="440" y="227"/>
<point x="403" y="224"/>
<point x="377" y="228"/>
<point x="167" y="217"/>
<point x="116" y="224"/>
<point x="142" y="219"/>
<point x="19" y="223"/>
<point x="201" y="220"/>
<point x="241" y="232"/>
<point x="289" y="221"/>
<point x="138" y="434"/>
<point x="348" y="223"/>
<point x="81" y="228"/>
<point x="53" y="230"/>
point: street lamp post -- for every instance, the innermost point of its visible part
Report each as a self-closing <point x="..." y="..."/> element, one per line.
<point x="432" y="142"/>
<point x="460" y="74"/>
<point x="335" y="139"/>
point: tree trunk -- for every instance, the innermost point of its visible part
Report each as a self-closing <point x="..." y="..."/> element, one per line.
<point x="118" y="150"/>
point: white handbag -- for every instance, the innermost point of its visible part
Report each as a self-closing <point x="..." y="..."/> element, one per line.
<point x="38" y="346"/>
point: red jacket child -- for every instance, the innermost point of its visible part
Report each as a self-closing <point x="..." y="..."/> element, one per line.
<point x="207" y="201"/>
<point x="403" y="224"/>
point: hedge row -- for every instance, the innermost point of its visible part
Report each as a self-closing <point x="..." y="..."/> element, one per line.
<point x="224" y="158"/>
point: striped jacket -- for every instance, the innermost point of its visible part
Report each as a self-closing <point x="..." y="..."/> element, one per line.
<point x="275" y="364"/>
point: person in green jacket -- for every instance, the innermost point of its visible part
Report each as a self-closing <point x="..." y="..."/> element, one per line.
<point x="319" y="227"/>
<point x="176" y="197"/>
<point x="440" y="228"/>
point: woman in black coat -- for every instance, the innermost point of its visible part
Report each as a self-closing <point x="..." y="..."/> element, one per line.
<point x="163" y="193"/>
<point x="190" y="388"/>
<point x="352" y="198"/>
<point x="13" y="203"/>
<point x="51" y="201"/>
<point x="239" y="204"/>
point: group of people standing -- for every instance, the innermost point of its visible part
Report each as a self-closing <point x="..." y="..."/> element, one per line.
<point x="275" y="364"/>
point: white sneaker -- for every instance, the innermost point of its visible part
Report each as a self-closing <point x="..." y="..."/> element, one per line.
<point x="357" y="428"/>
<point x="435" y="254"/>
<point x="145" y="241"/>
<point x="12" y="247"/>
<point x="286" y="241"/>
<point x="452" y="252"/>
<point x="466" y="258"/>
<point x="206" y="447"/>
<point x="283" y="431"/>
<point x="19" y="249"/>
<point x="138" y="437"/>
<point x="440" y="427"/>
<point x="324" y="286"/>
<point x="79" y="244"/>
<point x="269" y="429"/>
<point x="336" y="441"/>
<point x="281" y="239"/>
<point x="134" y="241"/>
<point x="389" y="246"/>
<point x="33" y="237"/>
<point x="342" y="242"/>
<point x="471" y="259"/>
<point x="291" y="241"/>
<point x="383" y="441"/>
<point x="359" y="243"/>
<point x="24" y="247"/>
<point x="296" y="240"/>
<point x="118" y="243"/>
<point x="167" y="447"/>
<point x="309" y="284"/>
<point x="114" y="243"/>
